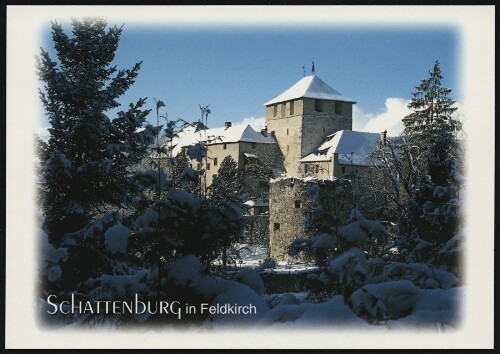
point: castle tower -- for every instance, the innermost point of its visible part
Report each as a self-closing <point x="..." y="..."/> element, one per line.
<point x="303" y="116"/>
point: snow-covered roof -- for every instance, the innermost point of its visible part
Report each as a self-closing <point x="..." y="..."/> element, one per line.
<point x="310" y="87"/>
<point x="238" y="133"/>
<point x="308" y="179"/>
<point x="347" y="144"/>
<point x="250" y="155"/>
<point x="256" y="203"/>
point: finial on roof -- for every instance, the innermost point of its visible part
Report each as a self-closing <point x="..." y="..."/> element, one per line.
<point x="304" y="70"/>
<point x="313" y="70"/>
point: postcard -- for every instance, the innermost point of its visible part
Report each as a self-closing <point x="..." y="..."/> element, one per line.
<point x="250" y="177"/>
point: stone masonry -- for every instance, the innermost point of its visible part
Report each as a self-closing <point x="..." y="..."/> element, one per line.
<point x="295" y="204"/>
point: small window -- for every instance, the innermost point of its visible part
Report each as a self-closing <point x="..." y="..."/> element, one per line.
<point x="224" y="146"/>
<point x="318" y="105"/>
<point x="208" y="166"/>
<point x="324" y="130"/>
<point x="254" y="145"/>
<point x="275" y="110"/>
<point x="306" y="168"/>
<point x="287" y="148"/>
<point x="287" y="131"/>
<point x="276" y="226"/>
<point x="343" y="169"/>
<point x="337" y="108"/>
<point x="298" y="204"/>
<point x="216" y="160"/>
<point x="292" y="108"/>
<point x="317" y="168"/>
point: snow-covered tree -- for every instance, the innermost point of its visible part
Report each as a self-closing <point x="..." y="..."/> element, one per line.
<point x="88" y="154"/>
<point x="228" y="183"/>
<point x="432" y="109"/>
<point x="434" y="201"/>
<point x="419" y="174"/>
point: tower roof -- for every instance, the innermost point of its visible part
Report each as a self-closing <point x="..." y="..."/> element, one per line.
<point x="310" y="87"/>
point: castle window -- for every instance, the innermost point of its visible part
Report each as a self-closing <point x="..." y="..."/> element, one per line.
<point x="318" y="105"/>
<point x="276" y="226"/>
<point x="298" y="204"/>
<point x="324" y="129"/>
<point x="216" y="160"/>
<point x="287" y="148"/>
<point x="275" y="110"/>
<point x="283" y="109"/>
<point x="317" y="168"/>
<point x="208" y="166"/>
<point x="343" y="169"/>
<point x="254" y="145"/>
<point x="292" y="108"/>
<point x="287" y="131"/>
<point x="337" y="108"/>
<point x="306" y="168"/>
<point x="224" y="146"/>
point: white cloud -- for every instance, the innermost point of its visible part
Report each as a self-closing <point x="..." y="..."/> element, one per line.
<point x="256" y="123"/>
<point x="396" y="108"/>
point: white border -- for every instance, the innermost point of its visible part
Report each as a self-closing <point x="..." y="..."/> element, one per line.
<point x="476" y="25"/>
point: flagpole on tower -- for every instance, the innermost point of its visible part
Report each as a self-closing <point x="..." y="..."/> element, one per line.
<point x="313" y="70"/>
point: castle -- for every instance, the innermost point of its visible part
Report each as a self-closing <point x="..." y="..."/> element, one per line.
<point x="308" y="136"/>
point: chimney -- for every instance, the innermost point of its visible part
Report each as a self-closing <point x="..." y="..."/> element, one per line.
<point x="264" y="131"/>
<point x="228" y="124"/>
<point x="383" y="137"/>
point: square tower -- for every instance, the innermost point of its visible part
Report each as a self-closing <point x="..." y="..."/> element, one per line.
<point x="303" y="116"/>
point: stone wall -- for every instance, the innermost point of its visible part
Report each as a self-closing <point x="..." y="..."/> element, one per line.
<point x="316" y="127"/>
<point x="293" y="208"/>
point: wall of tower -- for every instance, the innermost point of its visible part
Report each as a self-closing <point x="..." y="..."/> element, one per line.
<point x="315" y="129"/>
<point x="287" y="127"/>
<point x="293" y="209"/>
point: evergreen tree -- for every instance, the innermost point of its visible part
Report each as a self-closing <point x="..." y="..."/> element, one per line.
<point x="228" y="183"/>
<point x="88" y="154"/>
<point x="433" y="201"/>
<point x="432" y="110"/>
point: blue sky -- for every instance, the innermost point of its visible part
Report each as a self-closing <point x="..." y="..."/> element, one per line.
<point x="236" y="70"/>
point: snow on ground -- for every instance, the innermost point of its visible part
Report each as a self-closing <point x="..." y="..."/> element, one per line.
<point x="254" y="255"/>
